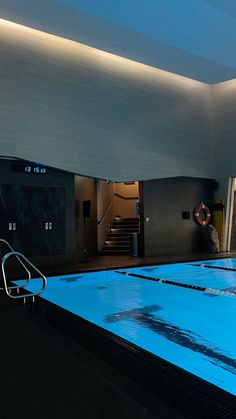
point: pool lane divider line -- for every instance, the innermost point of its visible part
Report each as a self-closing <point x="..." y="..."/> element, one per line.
<point x="224" y="268"/>
<point x="179" y="284"/>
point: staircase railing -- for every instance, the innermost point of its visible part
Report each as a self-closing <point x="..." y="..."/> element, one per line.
<point x="105" y="223"/>
<point x="126" y="197"/>
<point x="19" y="256"/>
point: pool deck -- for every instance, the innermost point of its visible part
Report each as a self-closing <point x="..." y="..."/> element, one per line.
<point x="109" y="262"/>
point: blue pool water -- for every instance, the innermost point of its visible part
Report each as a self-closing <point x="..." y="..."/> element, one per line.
<point x="191" y="329"/>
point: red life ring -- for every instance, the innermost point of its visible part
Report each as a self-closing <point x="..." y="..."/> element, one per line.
<point x="197" y="217"/>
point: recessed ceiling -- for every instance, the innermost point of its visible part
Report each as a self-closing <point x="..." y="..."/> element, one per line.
<point x="194" y="38"/>
<point x="227" y="6"/>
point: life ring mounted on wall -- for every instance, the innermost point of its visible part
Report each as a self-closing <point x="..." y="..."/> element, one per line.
<point x="197" y="210"/>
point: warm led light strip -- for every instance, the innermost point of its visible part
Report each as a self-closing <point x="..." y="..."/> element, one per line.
<point x="106" y="58"/>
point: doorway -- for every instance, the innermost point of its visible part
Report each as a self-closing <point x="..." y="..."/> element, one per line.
<point x="118" y="215"/>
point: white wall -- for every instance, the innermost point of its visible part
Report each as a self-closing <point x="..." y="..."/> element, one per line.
<point x="92" y="113"/>
<point x="224" y="110"/>
<point x="224" y="102"/>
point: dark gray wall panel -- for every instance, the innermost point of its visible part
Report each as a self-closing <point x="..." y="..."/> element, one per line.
<point x="30" y="200"/>
<point x="164" y="200"/>
<point x="30" y="208"/>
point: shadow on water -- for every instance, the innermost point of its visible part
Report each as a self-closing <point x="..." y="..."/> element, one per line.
<point x="184" y="337"/>
<point x="71" y="279"/>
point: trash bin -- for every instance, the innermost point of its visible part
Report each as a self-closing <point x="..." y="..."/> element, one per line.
<point x="134" y="247"/>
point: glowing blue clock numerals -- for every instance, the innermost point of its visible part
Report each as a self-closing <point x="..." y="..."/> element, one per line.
<point x="29" y="168"/>
<point x="36" y="169"/>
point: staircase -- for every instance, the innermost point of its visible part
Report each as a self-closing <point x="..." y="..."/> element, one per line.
<point x="118" y="240"/>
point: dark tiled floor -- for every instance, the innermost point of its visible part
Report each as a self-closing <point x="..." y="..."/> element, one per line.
<point x="47" y="375"/>
<point x="107" y="262"/>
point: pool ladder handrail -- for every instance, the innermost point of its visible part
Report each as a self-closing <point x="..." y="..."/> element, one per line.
<point x="20" y="256"/>
<point x="25" y="268"/>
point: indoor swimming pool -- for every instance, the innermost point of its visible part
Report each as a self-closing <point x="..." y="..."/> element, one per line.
<point x="191" y="328"/>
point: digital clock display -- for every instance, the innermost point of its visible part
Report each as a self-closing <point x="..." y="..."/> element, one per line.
<point x="30" y="168"/>
<point x="36" y="169"/>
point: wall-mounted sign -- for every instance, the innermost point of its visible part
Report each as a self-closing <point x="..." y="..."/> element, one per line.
<point x="30" y="168"/>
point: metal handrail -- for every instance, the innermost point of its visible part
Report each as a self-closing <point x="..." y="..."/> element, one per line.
<point x="20" y="255"/>
<point x="28" y="272"/>
<point x="99" y="223"/>
<point x="126" y="197"/>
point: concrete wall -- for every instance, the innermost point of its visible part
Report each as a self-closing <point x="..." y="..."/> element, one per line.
<point x="127" y="190"/>
<point x="125" y="199"/>
<point x="92" y="113"/>
<point x="164" y="200"/>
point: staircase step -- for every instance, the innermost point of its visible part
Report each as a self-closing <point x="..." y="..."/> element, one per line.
<point x="120" y="219"/>
<point x="125" y="226"/>
<point x="126" y="230"/>
<point x="116" y="245"/>
<point x="115" y="252"/>
<point x="118" y="236"/>
<point x="124" y="221"/>
<point x="130" y="223"/>
<point x="117" y="240"/>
